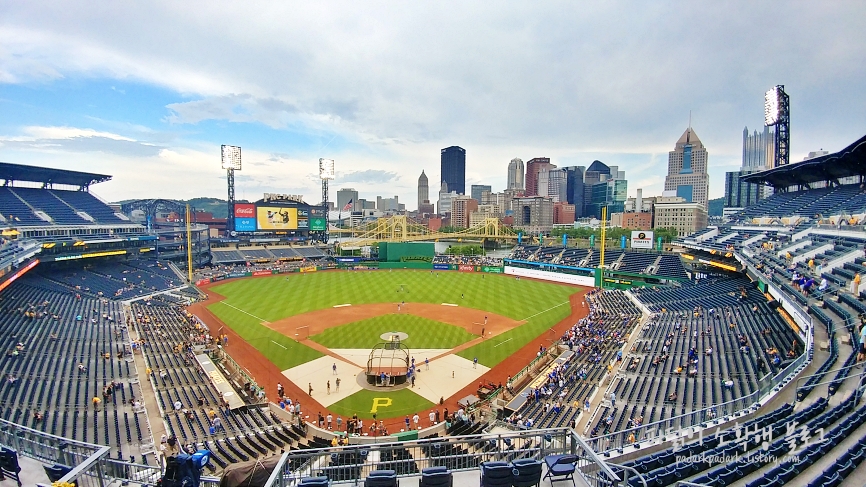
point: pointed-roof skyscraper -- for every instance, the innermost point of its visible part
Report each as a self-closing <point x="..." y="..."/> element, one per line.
<point x="423" y="189"/>
<point x="687" y="169"/>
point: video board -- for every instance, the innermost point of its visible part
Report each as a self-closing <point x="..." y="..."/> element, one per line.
<point x="277" y="218"/>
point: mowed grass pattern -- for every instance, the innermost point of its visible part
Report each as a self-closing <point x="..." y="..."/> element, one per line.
<point x="276" y="297"/>
<point x="402" y="402"/>
<point x="423" y="333"/>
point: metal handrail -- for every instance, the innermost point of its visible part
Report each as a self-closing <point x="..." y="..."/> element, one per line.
<point x="83" y="468"/>
<point x="630" y="469"/>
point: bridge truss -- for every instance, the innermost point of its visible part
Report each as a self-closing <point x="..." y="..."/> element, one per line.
<point x="400" y="228"/>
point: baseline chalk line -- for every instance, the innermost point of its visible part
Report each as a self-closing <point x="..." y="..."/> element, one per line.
<point x="545" y="311"/>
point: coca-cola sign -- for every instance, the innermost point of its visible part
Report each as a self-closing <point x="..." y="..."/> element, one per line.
<point x="244" y="210"/>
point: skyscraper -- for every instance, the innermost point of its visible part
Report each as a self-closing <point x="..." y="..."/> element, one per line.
<point x="344" y="196"/>
<point x="574" y="188"/>
<point x="596" y="172"/>
<point x="477" y="189"/>
<point x="533" y="167"/>
<point x="453" y="169"/>
<point x="687" y="169"/>
<point x="758" y="154"/>
<point x="515" y="174"/>
<point x="423" y="189"/>
<point x="758" y="150"/>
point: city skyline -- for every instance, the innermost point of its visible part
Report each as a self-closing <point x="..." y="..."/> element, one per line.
<point x="99" y="90"/>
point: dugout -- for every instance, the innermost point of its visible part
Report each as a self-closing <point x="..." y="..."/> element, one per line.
<point x="406" y="252"/>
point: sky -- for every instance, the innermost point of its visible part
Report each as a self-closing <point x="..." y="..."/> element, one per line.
<point x="148" y="91"/>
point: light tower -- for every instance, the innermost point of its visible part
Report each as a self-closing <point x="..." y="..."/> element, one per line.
<point x="231" y="161"/>
<point x="777" y="113"/>
<point x="326" y="173"/>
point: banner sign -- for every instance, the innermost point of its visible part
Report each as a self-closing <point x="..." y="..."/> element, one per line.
<point x="466" y="268"/>
<point x="201" y="282"/>
<point x="641" y="239"/>
<point x="262" y="273"/>
<point x="440" y="267"/>
<point x="492" y="269"/>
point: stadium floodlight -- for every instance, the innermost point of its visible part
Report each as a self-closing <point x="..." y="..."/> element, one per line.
<point x="231" y="157"/>
<point x="771" y="106"/>
<point x="326" y="168"/>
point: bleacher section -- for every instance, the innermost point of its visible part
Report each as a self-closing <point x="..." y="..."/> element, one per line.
<point x="249" y="432"/>
<point x="595" y="342"/>
<point x="18" y="204"/>
<point x="112" y="280"/>
<point x="62" y="351"/>
<point x="615" y="259"/>
<point x="260" y="254"/>
<point x="670" y="356"/>
<point x="847" y="199"/>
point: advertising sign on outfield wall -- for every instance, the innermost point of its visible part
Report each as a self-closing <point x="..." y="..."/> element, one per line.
<point x="641" y="239"/>
<point x="550" y="276"/>
<point x="440" y="267"/>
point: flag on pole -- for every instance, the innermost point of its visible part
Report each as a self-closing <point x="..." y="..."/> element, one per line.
<point x="348" y="205"/>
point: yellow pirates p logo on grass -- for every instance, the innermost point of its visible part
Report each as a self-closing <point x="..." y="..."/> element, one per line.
<point x="380" y="402"/>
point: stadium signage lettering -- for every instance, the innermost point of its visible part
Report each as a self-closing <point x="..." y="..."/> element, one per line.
<point x="262" y="273"/>
<point x="416" y="258"/>
<point x="297" y="198"/>
<point x="440" y="267"/>
<point x="245" y="210"/>
<point x="466" y="268"/>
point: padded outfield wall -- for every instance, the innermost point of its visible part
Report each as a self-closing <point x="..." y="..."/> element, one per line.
<point x="406" y="252"/>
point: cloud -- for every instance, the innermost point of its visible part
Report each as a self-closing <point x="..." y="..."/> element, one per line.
<point x="71" y="139"/>
<point x="371" y="176"/>
<point x="610" y="80"/>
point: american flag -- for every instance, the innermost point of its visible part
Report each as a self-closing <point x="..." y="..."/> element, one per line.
<point x="348" y="205"/>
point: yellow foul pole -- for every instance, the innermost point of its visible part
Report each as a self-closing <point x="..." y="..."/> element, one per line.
<point x="603" y="231"/>
<point x="188" y="245"/>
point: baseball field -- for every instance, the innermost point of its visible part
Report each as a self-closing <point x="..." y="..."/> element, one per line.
<point x="312" y="324"/>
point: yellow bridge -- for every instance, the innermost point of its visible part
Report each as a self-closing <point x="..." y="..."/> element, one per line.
<point x="402" y="229"/>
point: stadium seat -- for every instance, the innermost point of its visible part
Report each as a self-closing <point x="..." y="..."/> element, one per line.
<point x="496" y="474"/>
<point x="56" y="471"/>
<point x="436" y="477"/>
<point x="381" y="478"/>
<point x="526" y="472"/>
<point x="315" y="482"/>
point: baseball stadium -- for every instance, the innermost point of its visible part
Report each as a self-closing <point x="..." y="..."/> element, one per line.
<point x="286" y="353"/>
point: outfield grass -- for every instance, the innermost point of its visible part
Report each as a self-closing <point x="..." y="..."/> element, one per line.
<point x="423" y="333"/>
<point x="403" y="402"/>
<point x="273" y="298"/>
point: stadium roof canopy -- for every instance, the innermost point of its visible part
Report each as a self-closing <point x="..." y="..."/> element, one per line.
<point x="850" y="161"/>
<point x="20" y="172"/>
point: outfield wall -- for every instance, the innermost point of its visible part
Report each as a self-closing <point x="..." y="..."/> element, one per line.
<point x="551" y="276"/>
<point x="406" y="251"/>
